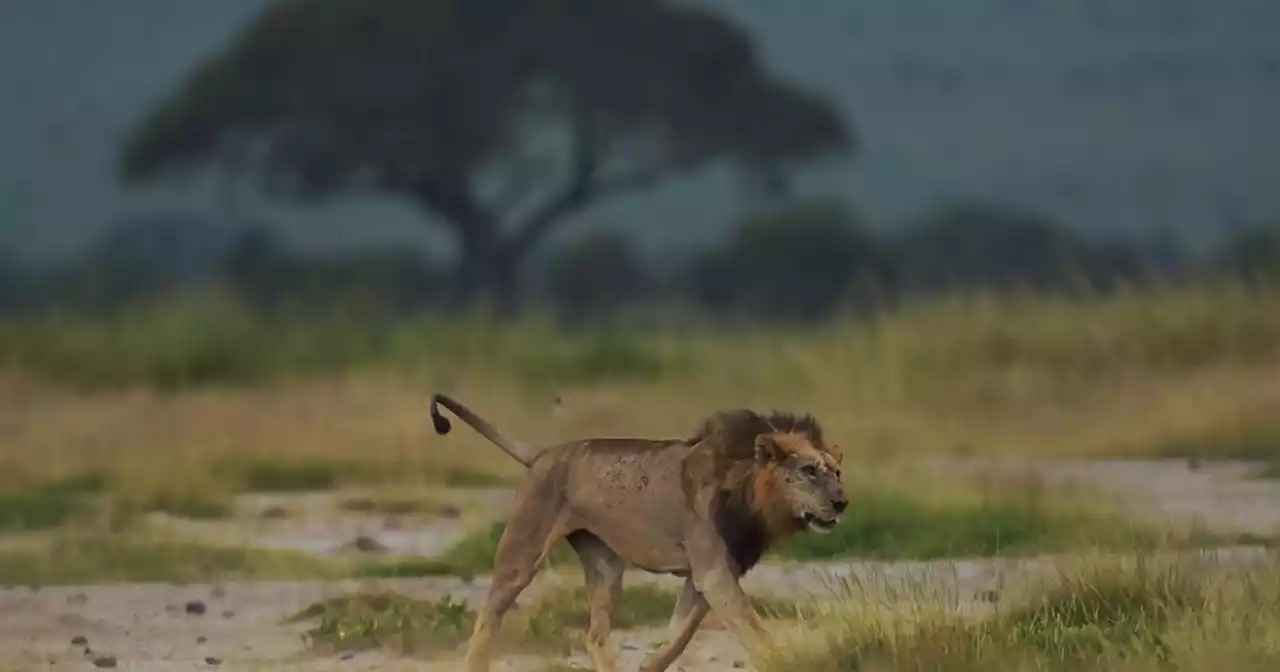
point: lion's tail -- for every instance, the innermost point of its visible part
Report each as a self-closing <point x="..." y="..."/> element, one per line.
<point x="516" y="449"/>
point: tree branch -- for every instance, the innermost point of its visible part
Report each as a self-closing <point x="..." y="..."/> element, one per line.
<point x="515" y="190"/>
<point x="459" y="209"/>
<point x="584" y="186"/>
<point x="574" y="195"/>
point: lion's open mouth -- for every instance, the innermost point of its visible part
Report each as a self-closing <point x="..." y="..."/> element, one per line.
<point x="820" y="524"/>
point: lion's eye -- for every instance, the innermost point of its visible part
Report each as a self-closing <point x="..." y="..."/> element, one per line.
<point x="809" y="470"/>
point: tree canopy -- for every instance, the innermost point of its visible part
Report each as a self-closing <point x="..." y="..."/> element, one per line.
<point x="798" y="263"/>
<point x="451" y="103"/>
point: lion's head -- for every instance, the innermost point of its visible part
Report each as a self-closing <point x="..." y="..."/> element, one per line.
<point x="795" y="469"/>
<point x="805" y="475"/>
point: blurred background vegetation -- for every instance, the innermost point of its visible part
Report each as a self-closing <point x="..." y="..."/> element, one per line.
<point x="236" y="336"/>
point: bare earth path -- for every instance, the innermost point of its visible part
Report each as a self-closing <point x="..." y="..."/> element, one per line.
<point x="146" y="626"/>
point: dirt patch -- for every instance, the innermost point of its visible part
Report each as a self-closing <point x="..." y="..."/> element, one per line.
<point x="147" y="626"/>
<point x="323" y="523"/>
<point x="1219" y="496"/>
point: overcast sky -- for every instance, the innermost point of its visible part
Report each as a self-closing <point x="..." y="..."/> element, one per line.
<point x="1147" y="116"/>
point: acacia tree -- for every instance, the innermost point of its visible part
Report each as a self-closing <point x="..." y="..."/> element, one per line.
<point x="452" y="103"/>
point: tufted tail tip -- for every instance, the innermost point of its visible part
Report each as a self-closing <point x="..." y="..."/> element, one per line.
<point x="438" y="420"/>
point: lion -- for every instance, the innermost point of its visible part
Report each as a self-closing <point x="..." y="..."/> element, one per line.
<point x="705" y="508"/>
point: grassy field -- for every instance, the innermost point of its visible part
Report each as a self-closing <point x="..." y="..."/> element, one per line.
<point x="204" y="398"/>
<point x="1097" y="613"/>
<point x="184" y="405"/>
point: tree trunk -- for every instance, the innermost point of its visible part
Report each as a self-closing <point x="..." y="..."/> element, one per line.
<point x="485" y="274"/>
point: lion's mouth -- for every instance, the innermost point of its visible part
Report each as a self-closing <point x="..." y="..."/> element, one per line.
<point x="820" y="524"/>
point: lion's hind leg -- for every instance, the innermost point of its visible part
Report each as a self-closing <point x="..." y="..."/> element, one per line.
<point x="534" y="527"/>
<point x="602" y="571"/>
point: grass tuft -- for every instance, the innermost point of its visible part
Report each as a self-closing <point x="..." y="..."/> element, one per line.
<point x="1255" y="442"/>
<point x="101" y="558"/>
<point x="411" y="626"/>
<point x="473" y="554"/>
<point x="895" y="521"/>
<point x="1112" y="615"/>
<point x="386" y="620"/>
<point x="50" y="505"/>
<point x="265" y="476"/>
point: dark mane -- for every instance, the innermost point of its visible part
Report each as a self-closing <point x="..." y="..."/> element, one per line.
<point x="746" y="508"/>
<point x="739" y="427"/>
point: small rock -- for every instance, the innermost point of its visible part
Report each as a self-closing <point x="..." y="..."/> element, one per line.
<point x="274" y="513"/>
<point x="347" y="656"/>
<point x="228" y="614"/>
<point x="391" y="523"/>
<point x="78" y="598"/>
<point x="366" y="544"/>
<point x="104" y="661"/>
<point x="195" y="607"/>
<point x="449" y="511"/>
<point x="738" y="664"/>
<point x="1193" y="463"/>
<point x="201" y="639"/>
<point x="219" y="591"/>
<point x="79" y="640"/>
<point x="213" y="661"/>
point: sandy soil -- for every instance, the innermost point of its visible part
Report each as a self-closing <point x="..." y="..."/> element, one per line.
<point x="147" y="626"/>
<point x="1223" y="496"/>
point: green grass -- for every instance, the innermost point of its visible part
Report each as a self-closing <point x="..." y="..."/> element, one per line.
<point x="551" y="619"/>
<point x="186" y="504"/>
<point x="264" y="476"/>
<point x="1137" y="615"/>
<point x="1258" y="442"/>
<point x="472" y="555"/>
<point x="894" y="524"/>
<point x="50" y="505"/>
<point x="411" y="626"/>
<point x="893" y="521"/>
<point x="181" y="342"/>
<point x="100" y="558"/>
<point x="386" y="620"/>
<point x="209" y="339"/>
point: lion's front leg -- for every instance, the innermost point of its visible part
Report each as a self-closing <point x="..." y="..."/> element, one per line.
<point x="722" y="591"/>
<point x="690" y="609"/>
<point x="716" y="577"/>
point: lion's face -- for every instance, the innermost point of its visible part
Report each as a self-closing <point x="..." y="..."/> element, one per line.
<point x="809" y="478"/>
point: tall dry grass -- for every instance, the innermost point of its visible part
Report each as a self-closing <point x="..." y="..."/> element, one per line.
<point x="203" y="397"/>
<point x="1094" y="612"/>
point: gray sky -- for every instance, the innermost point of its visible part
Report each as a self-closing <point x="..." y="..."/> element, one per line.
<point x="1147" y="116"/>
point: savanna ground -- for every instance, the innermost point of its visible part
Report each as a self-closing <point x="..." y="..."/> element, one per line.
<point x="1038" y="483"/>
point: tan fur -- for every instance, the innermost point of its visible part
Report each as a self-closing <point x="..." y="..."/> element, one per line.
<point x="704" y="508"/>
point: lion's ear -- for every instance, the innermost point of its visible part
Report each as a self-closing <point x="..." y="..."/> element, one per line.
<point x="836" y="453"/>
<point x="767" y="450"/>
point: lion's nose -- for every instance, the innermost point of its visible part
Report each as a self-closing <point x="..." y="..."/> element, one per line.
<point x="840" y="505"/>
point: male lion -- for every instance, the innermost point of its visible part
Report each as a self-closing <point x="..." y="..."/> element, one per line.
<point x="705" y="508"/>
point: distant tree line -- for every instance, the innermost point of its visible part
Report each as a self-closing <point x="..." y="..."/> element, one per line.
<point x="505" y="121"/>
<point x="804" y="262"/>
